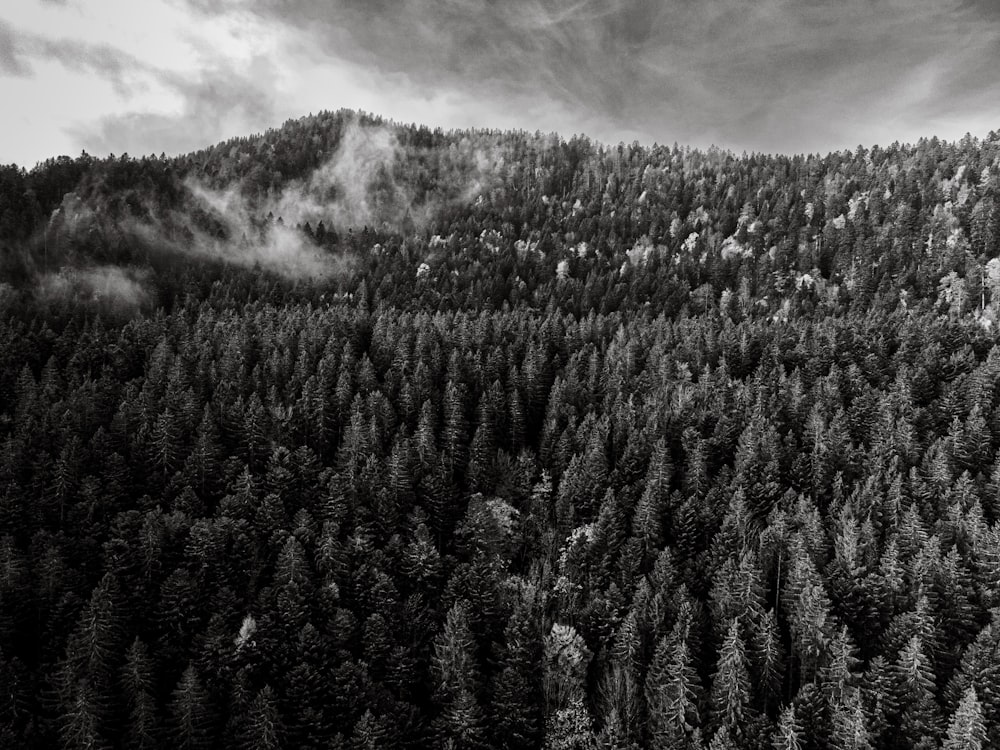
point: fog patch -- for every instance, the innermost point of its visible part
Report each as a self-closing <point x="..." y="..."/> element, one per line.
<point x="374" y="180"/>
<point x="122" y="288"/>
<point x="273" y="246"/>
<point x="356" y="187"/>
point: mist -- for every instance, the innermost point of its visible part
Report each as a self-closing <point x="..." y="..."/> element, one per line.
<point x="90" y="250"/>
<point x="275" y="247"/>
<point x="371" y="180"/>
<point x="114" y="286"/>
<point x="356" y="187"/>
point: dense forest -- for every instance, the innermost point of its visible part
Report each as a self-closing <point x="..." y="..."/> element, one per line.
<point x="354" y="434"/>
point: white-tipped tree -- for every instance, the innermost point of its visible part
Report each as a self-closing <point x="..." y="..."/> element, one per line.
<point x="967" y="730"/>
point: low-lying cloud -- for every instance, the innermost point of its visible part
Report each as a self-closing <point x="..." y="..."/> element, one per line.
<point x="124" y="289"/>
<point x="355" y="187"/>
<point x="272" y="246"/>
<point x="371" y="180"/>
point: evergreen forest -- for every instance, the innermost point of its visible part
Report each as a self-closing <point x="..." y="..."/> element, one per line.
<point x="357" y="435"/>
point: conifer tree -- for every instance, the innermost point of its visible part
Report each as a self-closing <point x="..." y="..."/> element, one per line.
<point x="730" y="697"/>
<point x="788" y="734"/>
<point x="850" y="730"/>
<point x="192" y="717"/>
<point x="461" y="721"/>
<point x="144" y="729"/>
<point x="914" y="694"/>
<point x="673" y="691"/>
<point x="517" y="691"/>
<point x="967" y="730"/>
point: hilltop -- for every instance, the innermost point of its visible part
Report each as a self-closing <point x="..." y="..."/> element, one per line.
<point x="316" y="199"/>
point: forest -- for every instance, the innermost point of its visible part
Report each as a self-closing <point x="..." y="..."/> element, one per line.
<point x="357" y="434"/>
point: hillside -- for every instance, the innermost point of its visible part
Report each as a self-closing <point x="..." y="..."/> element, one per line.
<point x="361" y="435"/>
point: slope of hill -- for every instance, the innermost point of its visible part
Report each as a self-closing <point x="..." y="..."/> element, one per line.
<point x="354" y="434"/>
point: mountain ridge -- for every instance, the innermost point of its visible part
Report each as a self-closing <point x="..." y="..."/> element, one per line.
<point x="361" y="182"/>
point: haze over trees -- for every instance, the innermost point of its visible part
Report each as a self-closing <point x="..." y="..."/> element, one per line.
<point x="361" y="435"/>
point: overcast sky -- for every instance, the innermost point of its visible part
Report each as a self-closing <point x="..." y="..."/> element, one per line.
<point x="148" y="76"/>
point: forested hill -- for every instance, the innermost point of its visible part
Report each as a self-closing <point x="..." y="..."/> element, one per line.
<point x="621" y="226"/>
<point x="358" y="435"/>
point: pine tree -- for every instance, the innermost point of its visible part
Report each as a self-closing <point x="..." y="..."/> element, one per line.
<point x="93" y="650"/>
<point x="191" y="715"/>
<point x="979" y="668"/>
<point x="165" y="444"/>
<point x="850" y="726"/>
<point x="203" y="463"/>
<point x="730" y="697"/>
<point x="143" y="731"/>
<point x="454" y="436"/>
<point x="370" y="733"/>
<point x="838" y="674"/>
<point x="877" y="699"/>
<point x="263" y="729"/>
<point x="426" y="444"/>
<point x="967" y="730"/>
<point x="672" y="691"/>
<point x="809" y="606"/>
<point x="647" y="525"/>
<point x="254" y="433"/>
<point x="914" y="694"/>
<point x="768" y="658"/>
<point x="788" y="734"/>
<point x="517" y="692"/>
<point x="723" y="740"/>
<point x="81" y="719"/>
<point x="461" y="721"/>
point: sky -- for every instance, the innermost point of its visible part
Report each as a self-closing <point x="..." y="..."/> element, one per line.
<point x="789" y="76"/>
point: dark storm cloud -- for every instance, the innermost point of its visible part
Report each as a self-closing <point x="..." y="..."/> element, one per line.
<point x="982" y="8"/>
<point x="770" y="74"/>
<point x="767" y="75"/>
<point x="574" y="51"/>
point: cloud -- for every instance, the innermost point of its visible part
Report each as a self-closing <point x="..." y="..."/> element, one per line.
<point x="222" y="98"/>
<point x="371" y="180"/>
<point x="278" y="247"/>
<point x="772" y="75"/>
<point x="122" y="70"/>
<point x="342" y="192"/>
<point x="85" y="241"/>
<point x="11" y="62"/>
<point x="220" y="101"/>
<point x="112" y="77"/>
<point x="114" y="286"/>
<point x="19" y="49"/>
<point x="364" y="183"/>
